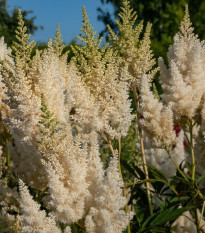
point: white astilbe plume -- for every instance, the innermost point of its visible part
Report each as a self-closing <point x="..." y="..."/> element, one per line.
<point x="114" y="105"/>
<point x="183" y="82"/>
<point x="99" y="71"/>
<point x="5" y="57"/>
<point x="157" y="119"/>
<point x="4" y="108"/>
<point x="67" y="204"/>
<point x="45" y="74"/>
<point x="24" y="108"/>
<point x="52" y="77"/>
<point x="84" y="109"/>
<point x="66" y="166"/>
<point x="160" y="159"/>
<point x="108" y="215"/>
<point x="133" y="48"/>
<point x="5" y="52"/>
<point x="34" y="219"/>
<point x="95" y="171"/>
<point x="23" y="125"/>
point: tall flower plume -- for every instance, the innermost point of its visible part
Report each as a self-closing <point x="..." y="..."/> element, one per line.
<point x="106" y="215"/>
<point x="34" y="219"/>
<point x="183" y="82"/>
<point x="134" y="53"/>
<point x="100" y="73"/>
<point x="157" y="120"/>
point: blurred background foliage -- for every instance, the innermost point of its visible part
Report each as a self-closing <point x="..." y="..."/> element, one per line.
<point x="165" y="17"/>
<point x="9" y="22"/>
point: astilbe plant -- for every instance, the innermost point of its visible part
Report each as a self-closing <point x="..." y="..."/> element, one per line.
<point x="183" y="94"/>
<point x="58" y="119"/>
<point x="51" y="156"/>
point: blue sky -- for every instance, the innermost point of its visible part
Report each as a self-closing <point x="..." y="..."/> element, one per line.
<point x="66" y="12"/>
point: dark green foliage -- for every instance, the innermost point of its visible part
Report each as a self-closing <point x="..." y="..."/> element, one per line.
<point x="167" y="216"/>
<point x="177" y="194"/>
<point x="9" y="22"/>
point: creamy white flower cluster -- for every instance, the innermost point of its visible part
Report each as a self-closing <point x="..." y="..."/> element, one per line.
<point x="183" y="89"/>
<point x="134" y="53"/>
<point x="183" y="82"/>
<point x="157" y="119"/>
<point x="99" y="71"/>
<point x="34" y="219"/>
<point x="9" y="197"/>
<point x="49" y="150"/>
<point x="104" y="215"/>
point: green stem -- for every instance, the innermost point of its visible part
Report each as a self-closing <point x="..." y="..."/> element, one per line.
<point x="193" y="164"/>
<point x="120" y="171"/>
<point x="175" y="164"/>
<point x="193" y="173"/>
<point x="196" y="221"/>
<point x="187" y="138"/>
<point x="136" y="97"/>
<point x="119" y="154"/>
<point x="202" y="212"/>
<point x="192" y="151"/>
<point x="110" y="145"/>
<point x="75" y="230"/>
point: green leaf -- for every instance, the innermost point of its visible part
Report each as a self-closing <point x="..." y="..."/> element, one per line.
<point x="201" y="178"/>
<point x="157" y="230"/>
<point x="140" y="173"/>
<point x="179" y="179"/>
<point x="169" y="202"/>
<point x="147" y="180"/>
<point x="169" y="215"/>
<point x="163" y="217"/>
<point x="128" y="167"/>
<point x="160" y="187"/>
<point x="158" y="175"/>
<point x="189" y="167"/>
